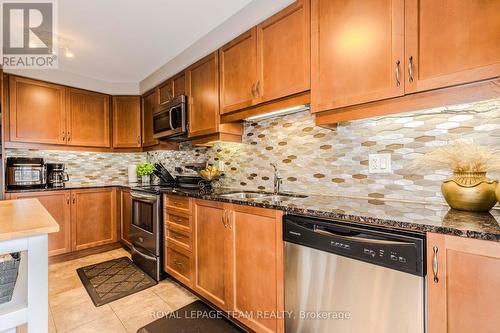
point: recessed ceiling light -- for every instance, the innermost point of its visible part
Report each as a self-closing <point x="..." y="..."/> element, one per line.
<point x="281" y="112"/>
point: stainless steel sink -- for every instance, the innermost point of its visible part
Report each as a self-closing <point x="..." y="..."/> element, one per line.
<point x="282" y="197"/>
<point x="244" y="195"/>
<point x="262" y="196"/>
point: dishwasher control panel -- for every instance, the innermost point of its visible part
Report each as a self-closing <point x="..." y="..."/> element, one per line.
<point x="385" y="248"/>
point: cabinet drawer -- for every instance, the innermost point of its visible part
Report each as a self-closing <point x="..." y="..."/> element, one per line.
<point x="179" y="237"/>
<point x="177" y="202"/>
<point x="177" y="219"/>
<point x="178" y="265"/>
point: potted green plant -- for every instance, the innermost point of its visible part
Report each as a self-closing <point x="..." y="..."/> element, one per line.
<point x="144" y="171"/>
<point x="468" y="189"/>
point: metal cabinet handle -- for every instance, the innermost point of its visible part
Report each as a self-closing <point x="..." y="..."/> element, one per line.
<point x="139" y="139"/>
<point x="64" y="136"/>
<point x="69" y="136"/>
<point x="74" y="199"/>
<point x="67" y="200"/>
<point x="410" y="69"/>
<point x="398" y="82"/>
<point x="178" y="263"/>
<point x="257" y="88"/>
<point x="435" y="264"/>
<point x="223" y="218"/>
<point x="229" y="220"/>
<point x="253" y="90"/>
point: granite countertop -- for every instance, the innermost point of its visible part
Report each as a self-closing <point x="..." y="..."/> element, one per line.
<point x="25" y="218"/>
<point x="414" y="216"/>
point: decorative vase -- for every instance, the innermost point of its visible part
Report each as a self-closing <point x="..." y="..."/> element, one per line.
<point x="146" y="179"/>
<point x="470" y="191"/>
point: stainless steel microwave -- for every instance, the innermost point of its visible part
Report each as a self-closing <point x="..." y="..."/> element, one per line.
<point x="170" y="119"/>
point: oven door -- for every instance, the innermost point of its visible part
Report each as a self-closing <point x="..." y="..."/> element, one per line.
<point x="169" y="120"/>
<point x="145" y="231"/>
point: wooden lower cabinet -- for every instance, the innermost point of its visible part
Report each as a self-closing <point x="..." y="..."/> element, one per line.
<point x="212" y="253"/>
<point x="463" y="276"/>
<point x="257" y="263"/>
<point x="93" y="217"/>
<point x="59" y="206"/>
<point x="238" y="261"/>
<point x="125" y="217"/>
<point x="178" y="255"/>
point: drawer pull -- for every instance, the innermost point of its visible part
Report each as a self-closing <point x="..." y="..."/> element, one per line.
<point x="435" y="264"/>
<point x="177" y="237"/>
<point x="178" y="263"/>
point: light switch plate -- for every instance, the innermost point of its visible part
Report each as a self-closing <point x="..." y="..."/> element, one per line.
<point x="379" y="163"/>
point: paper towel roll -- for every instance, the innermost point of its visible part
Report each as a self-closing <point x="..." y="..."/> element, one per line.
<point x="132" y="173"/>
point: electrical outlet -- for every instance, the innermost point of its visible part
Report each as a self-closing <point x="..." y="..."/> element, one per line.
<point x="379" y="163"/>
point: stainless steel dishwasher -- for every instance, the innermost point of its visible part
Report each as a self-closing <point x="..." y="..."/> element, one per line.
<point x="346" y="278"/>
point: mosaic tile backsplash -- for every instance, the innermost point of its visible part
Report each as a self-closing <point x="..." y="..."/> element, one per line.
<point x="312" y="159"/>
<point x="87" y="168"/>
<point x="322" y="161"/>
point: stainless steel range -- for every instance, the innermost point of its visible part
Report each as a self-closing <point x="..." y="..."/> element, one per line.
<point x="146" y="231"/>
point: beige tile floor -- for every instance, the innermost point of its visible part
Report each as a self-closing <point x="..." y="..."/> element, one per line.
<point x="71" y="309"/>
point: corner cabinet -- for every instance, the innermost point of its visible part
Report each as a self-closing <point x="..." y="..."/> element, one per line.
<point x="37" y="111"/>
<point x="126" y="121"/>
<point x="88" y="118"/>
<point x="462" y="278"/>
<point x="93" y="217"/>
<point x="239" y="261"/>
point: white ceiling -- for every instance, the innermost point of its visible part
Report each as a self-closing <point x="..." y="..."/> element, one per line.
<point x="119" y="43"/>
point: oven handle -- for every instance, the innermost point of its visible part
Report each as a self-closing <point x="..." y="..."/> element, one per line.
<point x="143" y="197"/>
<point x="134" y="250"/>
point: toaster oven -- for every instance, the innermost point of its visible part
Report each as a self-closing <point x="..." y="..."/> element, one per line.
<point x="25" y="172"/>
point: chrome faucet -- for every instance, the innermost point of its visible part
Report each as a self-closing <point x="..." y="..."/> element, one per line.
<point x="277" y="180"/>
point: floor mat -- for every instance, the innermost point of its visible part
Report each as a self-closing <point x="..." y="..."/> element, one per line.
<point x="113" y="279"/>
<point x="196" y="317"/>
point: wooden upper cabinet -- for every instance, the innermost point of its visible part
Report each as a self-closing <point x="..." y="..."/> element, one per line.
<point x="357" y="52"/>
<point x="238" y="72"/>
<point x="461" y="294"/>
<point x="203" y="91"/>
<point x="165" y="91"/>
<point x="88" y="118"/>
<point x="451" y="42"/>
<point x="126" y="121"/>
<point x="257" y="263"/>
<point x="149" y="102"/>
<point x="93" y="215"/>
<point x="284" y="52"/>
<point x="58" y="205"/>
<point x="212" y="253"/>
<point x="179" y="84"/>
<point x="37" y="111"/>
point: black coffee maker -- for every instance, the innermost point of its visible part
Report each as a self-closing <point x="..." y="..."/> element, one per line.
<point x="56" y="177"/>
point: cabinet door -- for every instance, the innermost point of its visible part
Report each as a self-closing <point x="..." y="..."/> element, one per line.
<point x="462" y="298"/>
<point x="212" y="251"/>
<point x="126" y="217"/>
<point x="149" y="102"/>
<point x="284" y="53"/>
<point x="57" y="204"/>
<point x="179" y="84"/>
<point x="257" y="263"/>
<point x="165" y="90"/>
<point x="93" y="216"/>
<point x="37" y="111"/>
<point x="238" y="72"/>
<point x="451" y="42"/>
<point x="357" y="52"/>
<point x="88" y="118"/>
<point x="203" y="92"/>
<point x="126" y="121"/>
